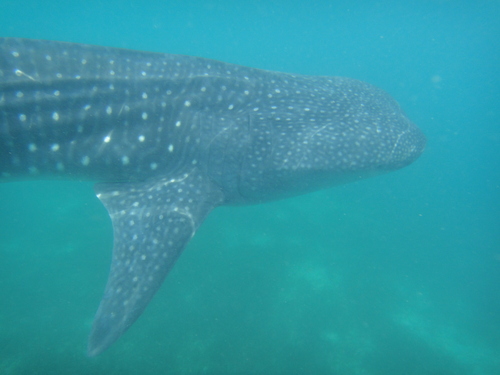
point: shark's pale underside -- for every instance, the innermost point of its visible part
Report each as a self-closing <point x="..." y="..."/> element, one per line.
<point x="168" y="138"/>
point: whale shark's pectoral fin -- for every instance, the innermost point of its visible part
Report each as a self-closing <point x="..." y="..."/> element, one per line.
<point x="152" y="223"/>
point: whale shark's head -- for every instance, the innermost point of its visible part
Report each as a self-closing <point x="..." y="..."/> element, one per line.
<point x="340" y="130"/>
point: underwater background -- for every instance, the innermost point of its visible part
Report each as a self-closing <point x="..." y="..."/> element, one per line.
<point x="398" y="274"/>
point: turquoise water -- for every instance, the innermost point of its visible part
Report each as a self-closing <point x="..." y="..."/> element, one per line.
<point x="399" y="274"/>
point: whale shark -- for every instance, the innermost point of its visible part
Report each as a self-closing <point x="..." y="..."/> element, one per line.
<point x="168" y="138"/>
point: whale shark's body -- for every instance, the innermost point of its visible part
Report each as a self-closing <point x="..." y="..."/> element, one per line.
<point x="168" y="138"/>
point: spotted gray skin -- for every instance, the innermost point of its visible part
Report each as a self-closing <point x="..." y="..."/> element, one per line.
<point x="168" y="138"/>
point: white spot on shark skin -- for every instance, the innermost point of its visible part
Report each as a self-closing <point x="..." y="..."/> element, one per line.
<point x="141" y="138"/>
<point x="125" y="160"/>
<point x="55" y="116"/>
<point x="107" y="139"/>
<point x="153" y="166"/>
<point x="144" y="95"/>
<point x="32" y="147"/>
<point x="19" y="94"/>
<point x="85" y="160"/>
<point x="15" y="53"/>
<point x="60" y="166"/>
<point x="54" y="147"/>
<point x="20" y="73"/>
<point x="171" y="148"/>
<point x="178" y="123"/>
<point x="22" y="117"/>
<point x="109" y="110"/>
<point x="144" y="115"/>
<point x="187" y="103"/>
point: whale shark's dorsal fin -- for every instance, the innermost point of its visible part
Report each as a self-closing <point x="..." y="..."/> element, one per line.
<point x="152" y="223"/>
